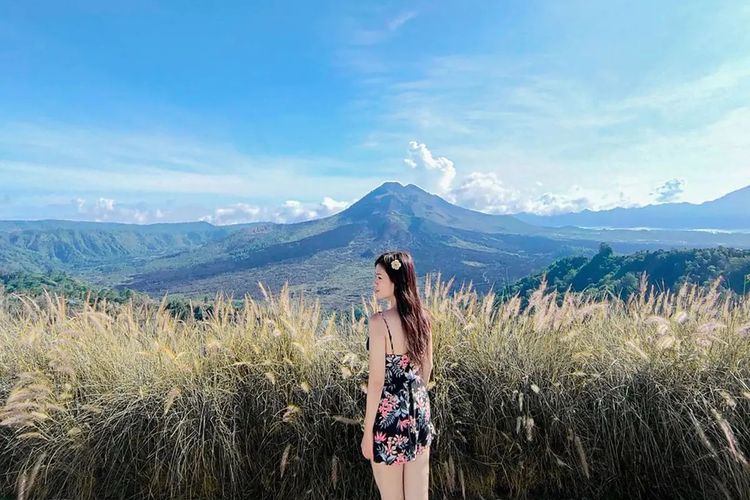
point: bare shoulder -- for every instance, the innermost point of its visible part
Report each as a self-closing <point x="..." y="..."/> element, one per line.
<point x="375" y="323"/>
<point x="375" y="335"/>
<point x="374" y="317"/>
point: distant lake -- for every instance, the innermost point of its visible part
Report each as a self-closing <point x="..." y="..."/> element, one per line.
<point x="704" y="230"/>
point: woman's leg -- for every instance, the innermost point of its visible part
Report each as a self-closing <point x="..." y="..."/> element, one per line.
<point x="417" y="477"/>
<point x="390" y="480"/>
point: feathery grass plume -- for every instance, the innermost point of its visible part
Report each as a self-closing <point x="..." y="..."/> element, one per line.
<point x="529" y="426"/>
<point x="27" y="478"/>
<point x="345" y="420"/>
<point x="284" y="459"/>
<point x="701" y="433"/>
<point x="730" y="437"/>
<point x="170" y="398"/>
<point x="462" y="482"/>
<point x="290" y="413"/>
<point x="582" y="456"/>
<point x="334" y="470"/>
<point x="29" y="402"/>
<point x="667" y="342"/>
<point x="728" y="399"/>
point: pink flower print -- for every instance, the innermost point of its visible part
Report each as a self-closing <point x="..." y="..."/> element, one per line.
<point x="389" y="447"/>
<point x="379" y="437"/>
<point x="400" y="459"/>
<point x="384" y="409"/>
<point x="387" y="405"/>
<point x="404" y="361"/>
<point x="403" y="424"/>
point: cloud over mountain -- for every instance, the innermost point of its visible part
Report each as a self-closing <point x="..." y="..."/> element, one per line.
<point x="109" y="210"/>
<point x="670" y="190"/>
<point x="487" y="192"/>
<point x="288" y="212"/>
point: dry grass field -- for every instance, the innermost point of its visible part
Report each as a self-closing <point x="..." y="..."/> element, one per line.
<point x="569" y="398"/>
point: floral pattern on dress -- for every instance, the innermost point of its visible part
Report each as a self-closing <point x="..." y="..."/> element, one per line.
<point x="403" y="427"/>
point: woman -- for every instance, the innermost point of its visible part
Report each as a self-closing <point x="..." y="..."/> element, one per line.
<point x="398" y="428"/>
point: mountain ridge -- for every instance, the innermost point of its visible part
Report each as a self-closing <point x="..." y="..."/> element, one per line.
<point x="728" y="212"/>
<point x="330" y="257"/>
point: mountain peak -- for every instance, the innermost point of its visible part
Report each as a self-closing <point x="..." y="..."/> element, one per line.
<point x="394" y="201"/>
<point x="389" y="186"/>
<point x="390" y="196"/>
<point x="398" y="189"/>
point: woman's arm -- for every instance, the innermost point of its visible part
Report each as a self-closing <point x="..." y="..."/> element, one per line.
<point x="376" y="372"/>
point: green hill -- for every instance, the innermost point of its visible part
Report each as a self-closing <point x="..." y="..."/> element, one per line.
<point x="34" y="284"/>
<point x="607" y="273"/>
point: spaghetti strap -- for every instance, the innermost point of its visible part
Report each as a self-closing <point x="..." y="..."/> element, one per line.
<point x="389" y="331"/>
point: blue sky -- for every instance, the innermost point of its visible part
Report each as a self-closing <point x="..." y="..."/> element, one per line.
<point x="234" y="111"/>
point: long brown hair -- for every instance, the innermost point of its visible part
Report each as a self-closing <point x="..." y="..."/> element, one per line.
<point x="414" y="317"/>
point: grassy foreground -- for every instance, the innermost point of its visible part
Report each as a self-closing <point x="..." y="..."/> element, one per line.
<point x="568" y="398"/>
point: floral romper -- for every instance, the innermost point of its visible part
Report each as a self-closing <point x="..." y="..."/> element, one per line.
<point x="403" y="426"/>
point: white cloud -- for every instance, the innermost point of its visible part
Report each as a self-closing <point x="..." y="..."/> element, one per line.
<point x="549" y="204"/>
<point x="105" y="204"/>
<point x="373" y="36"/>
<point x="334" y="206"/>
<point x="359" y="51"/>
<point x="288" y="212"/>
<point x="714" y="84"/>
<point x="401" y="19"/>
<point x="108" y="210"/>
<point x="486" y="192"/>
<point x="293" y="210"/>
<point x="438" y="172"/>
<point x="670" y="190"/>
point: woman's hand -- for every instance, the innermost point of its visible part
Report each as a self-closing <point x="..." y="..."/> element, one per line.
<point x="366" y="445"/>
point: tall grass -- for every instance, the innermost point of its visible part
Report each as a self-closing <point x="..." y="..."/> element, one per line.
<point x="569" y="397"/>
